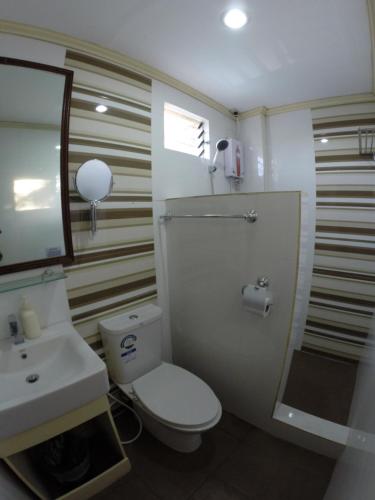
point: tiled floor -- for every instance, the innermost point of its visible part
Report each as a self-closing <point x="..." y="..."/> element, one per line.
<point x="235" y="462"/>
<point x="321" y="386"/>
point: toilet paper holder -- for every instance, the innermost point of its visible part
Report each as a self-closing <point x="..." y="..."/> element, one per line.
<point x="257" y="299"/>
<point x="262" y="282"/>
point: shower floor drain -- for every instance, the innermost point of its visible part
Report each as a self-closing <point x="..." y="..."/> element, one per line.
<point x="32" y="378"/>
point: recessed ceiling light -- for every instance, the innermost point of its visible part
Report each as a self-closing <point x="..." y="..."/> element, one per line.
<point x="100" y="108"/>
<point x="235" y="19"/>
<point x="58" y="147"/>
<point x="324" y="140"/>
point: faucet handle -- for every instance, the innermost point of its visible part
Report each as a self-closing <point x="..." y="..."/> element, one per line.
<point x="13" y="324"/>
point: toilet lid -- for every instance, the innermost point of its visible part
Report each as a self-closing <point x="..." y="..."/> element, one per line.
<point x="176" y="396"/>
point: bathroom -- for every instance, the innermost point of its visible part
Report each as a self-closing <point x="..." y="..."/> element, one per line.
<point x="187" y="250"/>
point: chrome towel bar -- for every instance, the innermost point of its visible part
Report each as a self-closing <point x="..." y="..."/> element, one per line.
<point x="250" y="216"/>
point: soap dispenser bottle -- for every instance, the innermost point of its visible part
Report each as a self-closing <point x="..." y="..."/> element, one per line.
<point x="29" y="320"/>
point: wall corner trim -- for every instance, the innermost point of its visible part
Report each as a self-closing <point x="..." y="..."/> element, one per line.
<point x="113" y="56"/>
<point x="327" y="102"/>
<point x="260" y="110"/>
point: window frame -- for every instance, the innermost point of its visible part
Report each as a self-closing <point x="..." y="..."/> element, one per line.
<point x="176" y="144"/>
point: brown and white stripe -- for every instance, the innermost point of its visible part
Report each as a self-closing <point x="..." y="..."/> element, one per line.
<point x="115" y="270"/>
<point x="342" y="299"/>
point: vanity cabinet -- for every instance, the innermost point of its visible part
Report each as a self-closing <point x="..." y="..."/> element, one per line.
<point x="108" y="461"/>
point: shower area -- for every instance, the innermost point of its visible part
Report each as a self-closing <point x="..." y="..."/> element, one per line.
<point x="320" y="381"/>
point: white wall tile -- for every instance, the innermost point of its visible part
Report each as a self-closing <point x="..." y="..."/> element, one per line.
<point x="177" y="174"/>
<point x="292" y="167"/>
<point x="252" y="133"/>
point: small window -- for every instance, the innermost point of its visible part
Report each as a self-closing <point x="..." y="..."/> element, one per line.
<point x="185" y="132"/>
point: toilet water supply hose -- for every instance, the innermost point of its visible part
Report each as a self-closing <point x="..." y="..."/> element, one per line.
<point x="138" y="418"/>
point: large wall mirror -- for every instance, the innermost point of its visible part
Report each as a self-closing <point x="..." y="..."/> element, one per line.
<point x="34" y="196"/>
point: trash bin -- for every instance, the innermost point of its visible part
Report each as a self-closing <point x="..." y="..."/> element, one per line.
<point x="65" y="457"/>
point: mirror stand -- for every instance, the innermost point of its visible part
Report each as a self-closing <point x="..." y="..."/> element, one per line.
<point x="93" y="206"/>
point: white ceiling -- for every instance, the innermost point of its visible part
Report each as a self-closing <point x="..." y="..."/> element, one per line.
<point x="292" y="50"/>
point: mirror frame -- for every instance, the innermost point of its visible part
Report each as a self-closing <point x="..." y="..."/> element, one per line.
<point x="68" y="257"/>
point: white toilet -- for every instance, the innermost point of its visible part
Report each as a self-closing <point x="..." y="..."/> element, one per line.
<point x="175" y="405"/>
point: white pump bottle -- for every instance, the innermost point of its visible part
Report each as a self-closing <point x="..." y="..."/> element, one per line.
<point x="30" y="321"/>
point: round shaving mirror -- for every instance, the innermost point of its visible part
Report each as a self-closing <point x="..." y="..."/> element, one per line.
<point x="93" y="182"/>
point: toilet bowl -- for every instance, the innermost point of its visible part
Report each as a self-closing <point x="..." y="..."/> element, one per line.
<point x="175" y="405"/>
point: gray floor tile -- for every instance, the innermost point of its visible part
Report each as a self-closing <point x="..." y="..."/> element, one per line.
<point x="290" y="454"/>
<point x="267" y="468"/>
<point x="321" y="386"/>
<point x="249" y="472"/>
<point x="175" y="476"/>
<point x="235" y="462"/>
<point x="130" y="487"/>
<point x="235" y="426"/>
<point x="290" y="457"/>
<point x="214" y="489"/>
<point x="300" y="483"/>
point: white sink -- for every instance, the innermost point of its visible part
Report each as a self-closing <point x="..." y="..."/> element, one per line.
<point x="69" y="374"/>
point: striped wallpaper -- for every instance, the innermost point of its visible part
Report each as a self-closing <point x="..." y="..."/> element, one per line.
<point x="342" y="298"/>
<point x="115" y="270"/>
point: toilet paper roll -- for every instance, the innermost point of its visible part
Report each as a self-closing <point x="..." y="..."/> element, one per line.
<point x="257" y="300"/>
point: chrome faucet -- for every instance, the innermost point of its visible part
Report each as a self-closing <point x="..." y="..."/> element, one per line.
<point x="14" y="332"/>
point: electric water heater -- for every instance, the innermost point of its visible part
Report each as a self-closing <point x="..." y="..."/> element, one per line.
<point x="233" y="160"/>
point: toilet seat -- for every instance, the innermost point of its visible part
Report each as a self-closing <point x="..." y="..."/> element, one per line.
<point x="177" y="398"/>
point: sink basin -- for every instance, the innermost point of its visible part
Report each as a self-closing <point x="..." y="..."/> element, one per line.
<point x="44" y="378"/>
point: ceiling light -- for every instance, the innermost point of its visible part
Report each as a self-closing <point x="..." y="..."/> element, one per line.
<point x="324" y="140"/>
<point x="235" y="19"/>
<point x="58" y="147"/>
<point x="100" y="108"/>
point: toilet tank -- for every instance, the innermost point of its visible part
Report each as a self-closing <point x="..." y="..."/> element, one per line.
<point x="132" y="343"/>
